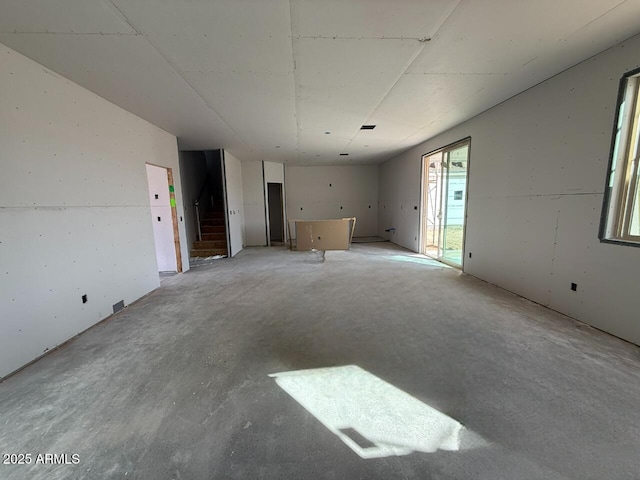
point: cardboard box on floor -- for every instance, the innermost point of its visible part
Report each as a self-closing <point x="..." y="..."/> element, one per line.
<point x="324" y="234"/>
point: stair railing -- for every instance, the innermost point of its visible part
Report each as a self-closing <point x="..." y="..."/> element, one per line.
<point x="198" y="228"/>
<point x="196" y="205"/>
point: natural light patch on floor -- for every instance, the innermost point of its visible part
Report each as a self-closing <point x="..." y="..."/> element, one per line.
<point x="422" y="260"/>
<point x="374" y="418"/>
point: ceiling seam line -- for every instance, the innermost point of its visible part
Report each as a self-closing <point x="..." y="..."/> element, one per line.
<point x="104" y="34"/>
<point x="410" y="63"/>
<point x="446" y="17"/>
<point x="295" y="84"/>
<point x="338" y="37"/>
<point x="461" y="74"/>
<point x="386" y="94"/>
<point x="124" y="17"/>
<point x="177" y="71"/>
<point x="512" y="96"/>
<point x="595" y="19"/>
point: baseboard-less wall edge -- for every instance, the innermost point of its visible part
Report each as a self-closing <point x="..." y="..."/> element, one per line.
<point x="569" y="317"/>
<point x="574" y="319"/>
<point x="66" y="342"/>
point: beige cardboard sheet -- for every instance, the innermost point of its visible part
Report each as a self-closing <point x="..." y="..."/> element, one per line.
<point x="324" y="234"/>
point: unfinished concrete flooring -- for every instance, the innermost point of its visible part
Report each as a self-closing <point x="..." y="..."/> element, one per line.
<point x="177" y="386"/>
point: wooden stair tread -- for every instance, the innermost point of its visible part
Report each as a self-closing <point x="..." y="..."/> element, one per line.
<point x="213" y="229"/>
<point x="210" y="244"/>
<point x="213" y="240"/>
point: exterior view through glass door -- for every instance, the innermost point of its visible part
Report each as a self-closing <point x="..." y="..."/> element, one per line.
<point x="444" y="198"/>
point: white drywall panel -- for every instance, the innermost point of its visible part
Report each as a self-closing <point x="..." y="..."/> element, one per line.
<point x="273" y="97"/>
<point x="514" y="245"/>
<point x="434" y="93"/>
<point x="398" y="196"/>
<point x="221" y="36"/>
<point x="318" y="193"/>
<point x="75" y="214"/>
<point x="606" y="275"/>
<point x="51" y="256"/>
<point x="147" y="57"/>
<point x="253" y="194"/>
<point x="324" y="92"/>
<point x="538" y="164"/>
<point x="273" y="172"/>
<point x="369" y="18"/>
<point x="544" y="29"/>
<point x="235" y="208"/>
<point x="128" y="71"/>
<point x="43" y="16"/>
<point x="161" y="218"/>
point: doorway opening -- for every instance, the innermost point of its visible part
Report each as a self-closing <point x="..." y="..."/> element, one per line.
<point x="164" y="218"/>
<point x="201" y="173"/>
<point x="276" y="213"/>
<point x="444" y="200"/>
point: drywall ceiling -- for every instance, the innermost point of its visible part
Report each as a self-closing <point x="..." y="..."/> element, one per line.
<point x="267" y="79"/>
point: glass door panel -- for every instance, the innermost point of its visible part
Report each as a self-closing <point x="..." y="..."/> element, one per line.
<point x="431" y="207"/>
<point x="454" y="200"/>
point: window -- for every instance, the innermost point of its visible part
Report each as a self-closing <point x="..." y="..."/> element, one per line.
<point x="621" y="211"/>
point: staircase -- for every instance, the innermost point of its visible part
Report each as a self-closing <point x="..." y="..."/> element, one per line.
<point x="214" y="235"/>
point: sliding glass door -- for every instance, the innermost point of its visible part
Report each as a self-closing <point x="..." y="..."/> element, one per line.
<point x="444" y="198"/>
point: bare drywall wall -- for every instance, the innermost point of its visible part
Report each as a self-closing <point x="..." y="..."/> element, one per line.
<point x="320" y="193"/>
<point x="235" y="208"/>
<point x="254" y="209"/>
<point x="255" y="177"/>
<point x="537" y="170"/>
<point x="74" y="208"/>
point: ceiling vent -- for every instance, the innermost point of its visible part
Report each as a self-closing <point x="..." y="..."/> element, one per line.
<point x="344" y="154"/>
<point x="367" y="127"/>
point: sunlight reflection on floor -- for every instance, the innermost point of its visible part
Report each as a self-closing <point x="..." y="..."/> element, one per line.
<point x="374" y="418"/>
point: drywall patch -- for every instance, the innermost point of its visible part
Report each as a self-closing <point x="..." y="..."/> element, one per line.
<point x="372" y="417"/>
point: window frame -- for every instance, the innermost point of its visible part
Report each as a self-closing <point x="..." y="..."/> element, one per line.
<point x="623" y="170"/>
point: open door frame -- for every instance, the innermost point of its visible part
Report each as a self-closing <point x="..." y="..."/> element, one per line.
<point x="174" y="219"/>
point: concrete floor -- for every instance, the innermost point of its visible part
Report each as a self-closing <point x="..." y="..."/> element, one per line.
<point x="176" y="386"/>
